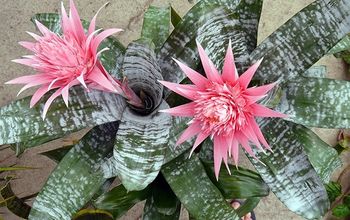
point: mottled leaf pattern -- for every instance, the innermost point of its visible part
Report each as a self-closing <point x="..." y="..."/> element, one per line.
<point x="156" y="25"/>
<point x="288" y="172"/>
<point x="316" y="71"/>
<point x="140" y="147"/>
<point x="77" y="177"/>
<point x="317" y="102"/>
<point x="341" y="46"/>
<point x="303" y="40"/>
<point x="20" y="123"/>
<point x="190" y="183"/>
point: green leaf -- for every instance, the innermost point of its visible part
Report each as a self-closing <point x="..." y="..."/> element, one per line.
<point x="303" y="40"/>
<point x="288" y="172"/>
<point x="248" y="206"/>
<point x="317" y="102"/>
<point x="77" y="177"/>
<point x="322" y="156"/>
<point x="139" y="153"/>
<point x="20" y="123"/>
<point x="333" y="190"/>
<point x="212" y="23"/>
<point x="88" y="214"/>
<point x="57" y="154"/>
<point x="16" y="205"/>
<point x="163" y="203"/>
<point x="156" y="25"/>
<point x="175" y="17"/>
<point x="346" y="200"/>
<point x="3" y="169"/>
<point x="341" y="211"/>
<point x="190" y="183"/>
<point x="118" y="201"/>
<point x="241" y="184"/>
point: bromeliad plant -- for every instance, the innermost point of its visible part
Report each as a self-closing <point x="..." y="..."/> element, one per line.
<point x="119" y="93"/>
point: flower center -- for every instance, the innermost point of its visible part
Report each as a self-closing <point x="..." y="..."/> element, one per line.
<point x="63" y="57"/>
<point x="221" y="109"/>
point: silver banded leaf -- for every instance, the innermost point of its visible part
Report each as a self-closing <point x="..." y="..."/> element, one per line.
<point x="303" y="40"/>
<point x="322" y="156"/>
<point x="140" y="147"/>
<point x="317" y="102"/>
<point x="190" y="183"/>
<point x="316" y="71"/>
<point x="288" y="171"/>
<point x="77" y="177"/>
<point x="212" y="23"/>
<point x="20" y="123"/>
<point x="141" y="69"/>
<point x="156" y="25"/>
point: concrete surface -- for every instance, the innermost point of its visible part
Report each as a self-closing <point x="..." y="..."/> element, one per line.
<point x="128" y="15"/>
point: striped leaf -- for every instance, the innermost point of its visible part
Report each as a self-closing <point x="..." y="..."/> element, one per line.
<point x="156" y="25"/>
<point x="190" y="183"/>
<point x="288" y="172"/>
<point x="212" y="23"/>
<point x="19" y="123"/>
<point x="303" y="40"/>
<point x="88" y="214"/>
<point x="140" y="147"/>
<point x="141" y="69"/>
<point x="317" y="102"/>
<point x="77" y="177"/>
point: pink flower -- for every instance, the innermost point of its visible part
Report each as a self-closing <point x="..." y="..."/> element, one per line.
<point x="222" y="107"/>
<point x="67" y="60"/>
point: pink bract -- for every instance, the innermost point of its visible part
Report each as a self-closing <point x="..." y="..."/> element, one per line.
<point x="222" y="107"/>
<point x="67" y="60"/>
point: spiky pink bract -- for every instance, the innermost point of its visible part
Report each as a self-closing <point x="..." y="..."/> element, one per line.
<point x="67" y="60"/>
<point x="222" y="107"/>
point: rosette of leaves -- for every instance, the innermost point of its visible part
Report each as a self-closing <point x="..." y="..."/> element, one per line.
<point x="138" y="145"/>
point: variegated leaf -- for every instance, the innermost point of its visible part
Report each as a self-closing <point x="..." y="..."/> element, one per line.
<point x="77" y="177"/>
<point x="288" y="172"/>
<point x="141" y="69"/>
<point x="317" y="102"/>
<point x="212" y="23"/>
<point x="303" y="40"/>
<point x="20" y="123"/>
<point x="140" y="147"/>
<point x="190" y="183"/>
<point x="156" y="25"/>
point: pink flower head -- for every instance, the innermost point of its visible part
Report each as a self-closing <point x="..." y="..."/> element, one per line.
<point x="67" y="60"/>
<point x="222" y="107"/>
